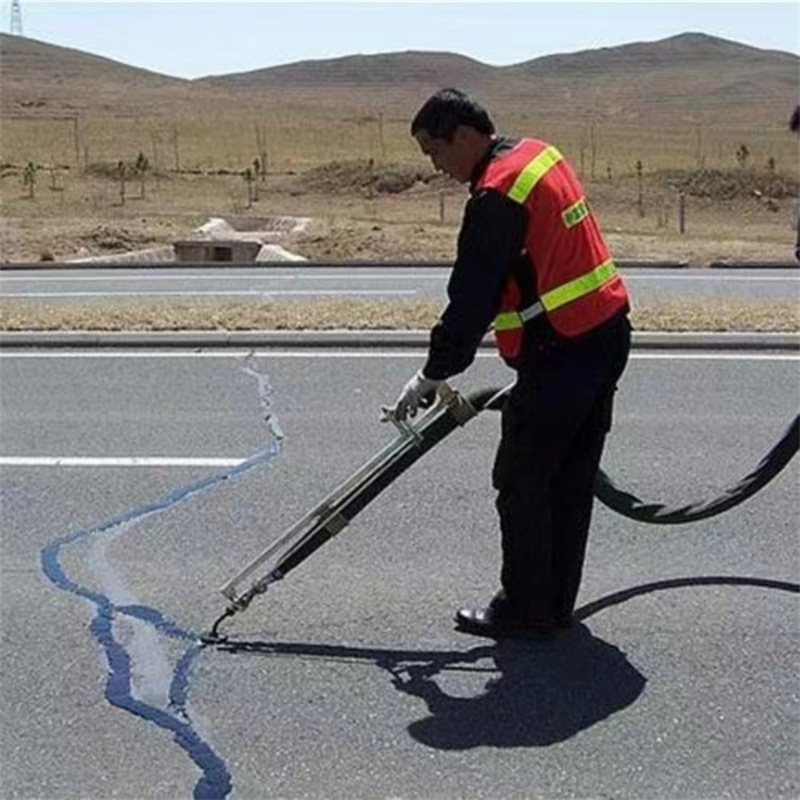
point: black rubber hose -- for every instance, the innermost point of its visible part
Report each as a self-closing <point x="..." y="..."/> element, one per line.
<point x="631" y="506"/>
<point x="627" y="504"/>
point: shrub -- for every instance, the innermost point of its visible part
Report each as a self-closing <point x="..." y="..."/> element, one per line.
<point x="360" y="175"/>
<point x="731" y="184"/>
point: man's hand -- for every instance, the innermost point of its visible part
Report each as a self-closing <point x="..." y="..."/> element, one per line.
<point x="417" y="392"/>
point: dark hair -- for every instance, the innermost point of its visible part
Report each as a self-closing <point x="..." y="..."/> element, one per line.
<point x="444" y="111"/>
<point x="794" y="120"/>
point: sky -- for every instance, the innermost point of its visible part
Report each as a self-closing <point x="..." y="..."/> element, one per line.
<point x="193" y="39"/>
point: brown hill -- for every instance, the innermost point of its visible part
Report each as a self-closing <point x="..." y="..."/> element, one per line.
<point x="48" y="79"/>
<point x="438" y="69"/>
<point x="29" y="59"/>
<point x="691" y="78"/>
<point x="696" y="50"/>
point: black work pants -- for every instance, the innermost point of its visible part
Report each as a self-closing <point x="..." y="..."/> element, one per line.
<point x="554" y="426"/>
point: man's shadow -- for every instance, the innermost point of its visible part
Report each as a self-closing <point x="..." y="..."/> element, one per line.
<point x="544" y="692"/>
<point x="541" y="692"/>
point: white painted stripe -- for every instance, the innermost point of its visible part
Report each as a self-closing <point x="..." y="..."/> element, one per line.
<point x="427" y="274"/>
<point x="219" y="293"/>
<point x="715" y="277"/>
<point x="390" y="353"/>
<point x="229" y="352"/>
<point x="122" y="461"/>
<point x="715" y="356"/>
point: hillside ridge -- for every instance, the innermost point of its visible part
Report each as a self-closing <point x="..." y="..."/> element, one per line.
<point x="690" y="78"/>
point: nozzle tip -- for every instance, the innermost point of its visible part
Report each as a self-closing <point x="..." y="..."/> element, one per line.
<point x="212" y="637"/>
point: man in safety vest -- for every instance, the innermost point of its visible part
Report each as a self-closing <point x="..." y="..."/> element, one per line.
<point x="531" y="263"/>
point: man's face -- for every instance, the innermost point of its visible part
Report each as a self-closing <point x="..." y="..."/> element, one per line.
<point x="454" y="158"/>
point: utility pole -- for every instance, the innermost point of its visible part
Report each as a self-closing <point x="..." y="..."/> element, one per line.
<point x="16" y="18"/>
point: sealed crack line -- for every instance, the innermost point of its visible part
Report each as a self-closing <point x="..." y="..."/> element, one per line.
<point x="120" y="692"/>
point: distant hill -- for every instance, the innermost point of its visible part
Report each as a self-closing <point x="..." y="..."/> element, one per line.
<point x="436" y="69"/>
<point x="687" y="50"/>
<point x="48" y="79"/>
<point x="29" y="59"/>
<point x="690" y="78"/>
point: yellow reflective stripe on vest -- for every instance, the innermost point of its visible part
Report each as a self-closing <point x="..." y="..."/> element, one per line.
<point x="575" y="213"/>
<point x="533" y="172"/>
<point x="583" y="284"/>
<point x="560" y="296"/>
<point x="507" y="320"/>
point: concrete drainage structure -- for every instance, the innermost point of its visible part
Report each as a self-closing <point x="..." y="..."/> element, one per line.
<point x="238" y="240"/>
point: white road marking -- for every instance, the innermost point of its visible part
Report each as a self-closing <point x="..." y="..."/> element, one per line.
<point x="346" y="352"/>
<point x="120" y="461"/>
<point x="221" y="293"/>
<point x="715" y="356"/>
<point x="760" y="278"/>
<point x="427" y="275"/>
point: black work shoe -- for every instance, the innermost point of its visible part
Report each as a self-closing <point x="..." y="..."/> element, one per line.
<point x="487" y="622"/>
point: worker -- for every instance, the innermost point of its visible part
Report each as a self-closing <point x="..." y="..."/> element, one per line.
<point x="532" y="263"/>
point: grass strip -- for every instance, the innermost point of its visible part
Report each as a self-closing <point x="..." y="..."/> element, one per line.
<point x="366" y="315"/>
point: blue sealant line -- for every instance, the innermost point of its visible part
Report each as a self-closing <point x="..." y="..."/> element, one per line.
<point x="179" y="688"/>
<point x="216" y="780"/>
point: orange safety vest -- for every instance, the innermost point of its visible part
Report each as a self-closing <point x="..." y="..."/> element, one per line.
<point x="575" y="277"/>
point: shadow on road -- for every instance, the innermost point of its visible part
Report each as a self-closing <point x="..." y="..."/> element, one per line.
<point x="544" y="692"/>
<point x="539" y="693"/>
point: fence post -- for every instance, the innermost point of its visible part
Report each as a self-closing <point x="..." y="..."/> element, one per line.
<point x="640" y="199"/>
<point x="77" y="141"/>
<point x="175" y="148"/>
<point x="441" y="205"/>
<point x="682" y="212"/>
<point x="121" y="174"/>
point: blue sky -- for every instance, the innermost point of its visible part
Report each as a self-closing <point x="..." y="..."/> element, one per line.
<point x="193" y="39"/>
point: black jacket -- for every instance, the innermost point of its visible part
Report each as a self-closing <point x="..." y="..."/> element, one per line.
<point x="491" y="239"/>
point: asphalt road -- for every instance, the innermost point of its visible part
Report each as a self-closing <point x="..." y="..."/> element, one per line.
<point x="347" y="679"/>
<point x="298" y="283"/>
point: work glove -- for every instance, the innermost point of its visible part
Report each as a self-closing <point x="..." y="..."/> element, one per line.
<point x="418" y="392"/>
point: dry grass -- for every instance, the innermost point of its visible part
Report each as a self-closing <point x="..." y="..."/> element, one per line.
<point x="298" y="139"/>
<point x="359" y="315"/>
